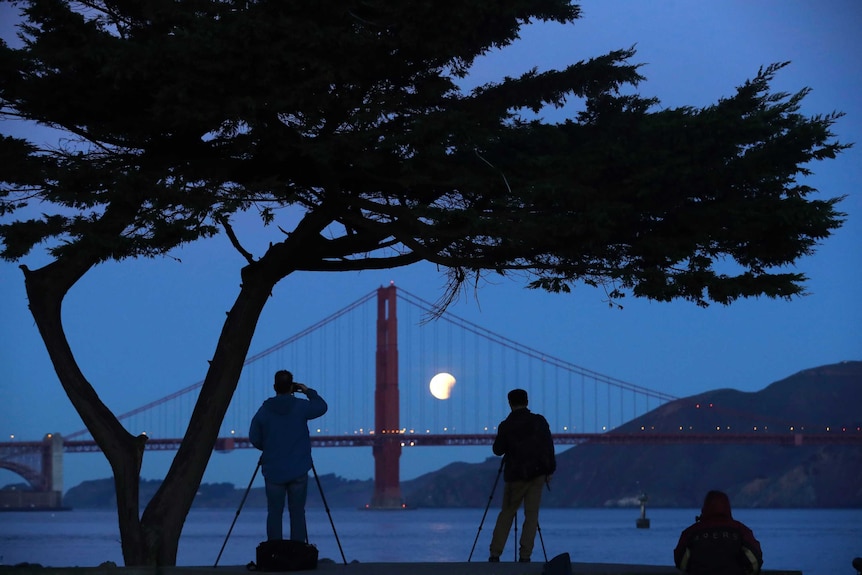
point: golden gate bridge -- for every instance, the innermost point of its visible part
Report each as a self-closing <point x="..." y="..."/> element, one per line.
<point x="375" y="379"/>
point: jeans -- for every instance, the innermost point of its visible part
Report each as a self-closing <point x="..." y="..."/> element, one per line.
<point x="514" y="492"/>
<point x="296" y="491"/>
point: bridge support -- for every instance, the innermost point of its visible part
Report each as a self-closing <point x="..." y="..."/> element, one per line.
<point x="52" y="464"/>
<point x="41" y="464"/>
<point x="387" y="444"/>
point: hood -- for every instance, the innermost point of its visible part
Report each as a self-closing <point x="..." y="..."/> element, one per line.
<point x="716" y="504"/>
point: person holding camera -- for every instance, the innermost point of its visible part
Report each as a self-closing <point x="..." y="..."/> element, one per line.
<point x="280" y="430"/>
<point x="525" y="442"/>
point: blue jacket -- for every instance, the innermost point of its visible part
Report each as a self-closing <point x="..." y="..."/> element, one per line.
<point x="280" y="430"/>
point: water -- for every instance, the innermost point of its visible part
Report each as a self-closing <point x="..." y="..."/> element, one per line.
<point x="817" y="542"/>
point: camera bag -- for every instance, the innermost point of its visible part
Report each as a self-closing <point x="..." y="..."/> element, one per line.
<point x="286" y="555"/>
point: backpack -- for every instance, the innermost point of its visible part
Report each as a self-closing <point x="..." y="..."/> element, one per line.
<point x="529" y="455"/>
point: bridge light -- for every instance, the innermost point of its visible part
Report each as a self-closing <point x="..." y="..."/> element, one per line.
<point x="604" y="428"/>
<point x="791" y="428"/>
<point x="11" y="436"/>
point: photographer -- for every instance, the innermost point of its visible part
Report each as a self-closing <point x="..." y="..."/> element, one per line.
<point x="280" y="430"/>
<point x="524" y="439"/>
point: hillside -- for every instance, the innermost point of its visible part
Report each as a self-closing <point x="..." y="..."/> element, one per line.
<point x="679" y="475"/>
<point x="672" y="475"/>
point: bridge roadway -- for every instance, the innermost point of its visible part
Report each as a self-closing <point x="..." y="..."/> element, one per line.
<point x="417" y="440"/>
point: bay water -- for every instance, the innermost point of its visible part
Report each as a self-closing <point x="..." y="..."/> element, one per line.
<point x="815" y="541"/>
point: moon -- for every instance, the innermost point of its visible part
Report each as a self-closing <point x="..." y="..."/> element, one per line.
<point x="441" y="385"/>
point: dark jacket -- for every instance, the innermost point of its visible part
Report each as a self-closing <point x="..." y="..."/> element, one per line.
<point x="717" y="544"/>
<point x="524" y="438"/>
<point x="280" y="430"/>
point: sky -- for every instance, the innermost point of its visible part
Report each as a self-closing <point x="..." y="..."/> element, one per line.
<point x="143" y="329"/>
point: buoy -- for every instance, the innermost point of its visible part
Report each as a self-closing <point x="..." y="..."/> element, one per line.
<point x="642" y="521"/>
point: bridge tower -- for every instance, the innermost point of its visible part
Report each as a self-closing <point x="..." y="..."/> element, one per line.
<point x="387" y="445"/>
<point x="52" y="465"/>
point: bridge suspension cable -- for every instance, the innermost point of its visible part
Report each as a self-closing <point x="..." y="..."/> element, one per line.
<point x="433" y="310"/>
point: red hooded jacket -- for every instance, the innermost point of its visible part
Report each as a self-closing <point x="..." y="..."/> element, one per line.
<point x="717" y="544"/>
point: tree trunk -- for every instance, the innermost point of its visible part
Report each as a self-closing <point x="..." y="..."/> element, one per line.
<point x="164" y="516"/>
<point x="46" y="289"/>
<point x="153" y="538"/>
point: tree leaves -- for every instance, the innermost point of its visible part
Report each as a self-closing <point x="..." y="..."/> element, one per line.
<point x="193" y="112"/>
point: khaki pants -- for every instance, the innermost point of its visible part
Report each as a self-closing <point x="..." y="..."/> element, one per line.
<point x="514" y="492"/>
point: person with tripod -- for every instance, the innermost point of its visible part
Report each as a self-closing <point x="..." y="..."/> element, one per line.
<point x="280" y="430"/>
<point x="524" y="440"/>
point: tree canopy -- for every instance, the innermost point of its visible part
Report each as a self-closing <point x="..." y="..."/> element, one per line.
<point x="346" y="126"/>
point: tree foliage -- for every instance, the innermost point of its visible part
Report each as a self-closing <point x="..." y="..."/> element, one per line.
<point x="345" y="124"/>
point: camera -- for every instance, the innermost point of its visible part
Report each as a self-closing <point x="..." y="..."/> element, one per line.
<point x="295" y="388"/>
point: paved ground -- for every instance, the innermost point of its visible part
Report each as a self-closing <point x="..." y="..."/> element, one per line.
<point x="328" y="568"/>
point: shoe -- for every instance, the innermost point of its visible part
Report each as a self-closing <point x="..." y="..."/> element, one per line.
<point x="493" y="559"/>
<point x="524" y="560"/>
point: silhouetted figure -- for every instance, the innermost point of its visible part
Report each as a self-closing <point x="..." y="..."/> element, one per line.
<point x="524" y="440"/>
<point x="717" y="544"/>
<point x="280" y="430"/>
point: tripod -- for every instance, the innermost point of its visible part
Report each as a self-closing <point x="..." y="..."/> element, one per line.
<point x="235" y="517"/>
<point x="515" y="521"/>
<point x="490" y="497"/>
<point x="326" y="506"/>
<point x="245" y="495"/>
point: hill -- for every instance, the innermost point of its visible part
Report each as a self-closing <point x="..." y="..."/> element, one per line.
<point x="596" y="475"/>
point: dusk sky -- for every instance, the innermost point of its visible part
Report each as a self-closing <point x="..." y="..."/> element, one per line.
<point x="144" y="329"/>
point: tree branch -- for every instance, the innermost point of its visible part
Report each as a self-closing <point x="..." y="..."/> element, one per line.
<point x="234" y="240"/>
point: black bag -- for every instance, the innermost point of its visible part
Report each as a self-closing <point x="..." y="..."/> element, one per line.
<point x="286" y="555"/>
<point x="559" y="565"/>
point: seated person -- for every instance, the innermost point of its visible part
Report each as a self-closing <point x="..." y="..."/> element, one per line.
<point x="717" y="544"/>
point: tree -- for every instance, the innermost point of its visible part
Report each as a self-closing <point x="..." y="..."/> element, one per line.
<point x="344" y="124"/>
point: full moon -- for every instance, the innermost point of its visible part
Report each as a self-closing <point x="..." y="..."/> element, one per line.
<point x="441" y="385"/>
